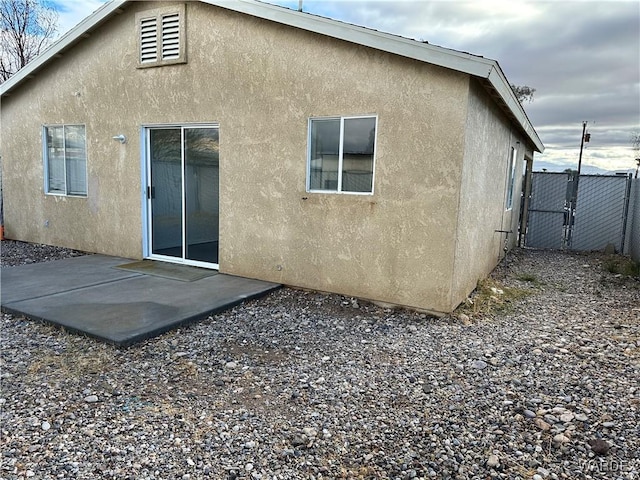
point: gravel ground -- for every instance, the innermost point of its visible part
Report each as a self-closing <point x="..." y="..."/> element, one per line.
<point x="20" y="253"/>
<point x="302" y="385"/>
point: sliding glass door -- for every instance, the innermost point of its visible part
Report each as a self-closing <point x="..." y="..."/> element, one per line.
<point x="183" y="194"/>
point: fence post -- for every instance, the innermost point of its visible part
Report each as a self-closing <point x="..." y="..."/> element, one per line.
<point x="625" y="214"/>
<point x="524" y="205"/>
<point x="572" y="199"/>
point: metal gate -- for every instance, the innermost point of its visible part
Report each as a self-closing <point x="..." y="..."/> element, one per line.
<point x="586" y="212"/>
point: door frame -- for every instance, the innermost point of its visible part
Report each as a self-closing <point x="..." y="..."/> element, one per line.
<point x="145" y="165"/>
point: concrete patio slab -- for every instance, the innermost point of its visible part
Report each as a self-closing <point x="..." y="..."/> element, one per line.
<point x="86" y="295"/>
<point x="42" y="279"/>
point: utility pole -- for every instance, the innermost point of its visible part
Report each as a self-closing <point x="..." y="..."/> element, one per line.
<point x="585" y="138"/>
<point x="573" y="200"/>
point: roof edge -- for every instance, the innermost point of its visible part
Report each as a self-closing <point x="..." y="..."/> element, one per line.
<point x="68" y="39"/>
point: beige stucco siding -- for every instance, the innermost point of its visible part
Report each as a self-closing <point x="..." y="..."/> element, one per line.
<point x="391" y="246"/>
<point x="483" y="193"/>
<point x="90" y="85"/>
<point x="259" y="81"/>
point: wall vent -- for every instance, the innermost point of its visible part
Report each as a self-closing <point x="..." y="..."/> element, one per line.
<point x="148" y="40"/>
<point x="170" y="36"/>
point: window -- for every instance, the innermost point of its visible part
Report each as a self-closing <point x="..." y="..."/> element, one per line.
<point x="65" y="160"/>
<point x="161" y="36"/>
<point x="511" y="178"/>
<point x="341" y="154"/>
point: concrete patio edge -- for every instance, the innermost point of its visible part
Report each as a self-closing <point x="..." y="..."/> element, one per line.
<point x="121" y="309"/>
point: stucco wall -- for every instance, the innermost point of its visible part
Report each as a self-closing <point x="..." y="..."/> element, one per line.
<point x="392" y="246"/>
<point x="483" y="193"/>
<point x="261" y="82"/>
<point x="93" y="84"/>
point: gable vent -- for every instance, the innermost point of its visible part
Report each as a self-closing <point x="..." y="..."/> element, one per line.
<point x="170" y="36"/>
<point x="148" y="40"/>
<point x="162" y="36"/>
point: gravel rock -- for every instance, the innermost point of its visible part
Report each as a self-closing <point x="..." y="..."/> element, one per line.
<point x="567" y="417"/>
<point x="542" y="425"/>
<point x="599" y="446"/>
<point x="479" y="364"/>
<point x="21" y="253"/>
<point x="302" y="385"/>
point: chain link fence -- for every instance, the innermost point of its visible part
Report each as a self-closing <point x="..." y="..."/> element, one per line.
<point x="586" y="212"/>
<point x="632" y="242"/>
<point x="547" y="211"/>
<point x="601" y="211"/>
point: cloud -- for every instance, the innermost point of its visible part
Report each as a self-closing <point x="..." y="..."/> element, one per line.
<point x="72" y="12"/>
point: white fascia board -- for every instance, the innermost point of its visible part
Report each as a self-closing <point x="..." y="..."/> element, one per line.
<point x="68" y="39"/>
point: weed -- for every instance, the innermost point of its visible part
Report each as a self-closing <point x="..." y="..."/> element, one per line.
<point x="620" y="265"/>
<point x="362" y="472"/>
<point x="490" y="296"/>
<point x="186" y="368"/>
<point x="530" y="278"/>
<point x="610" y="266"/>
<point x="74" y="361"/>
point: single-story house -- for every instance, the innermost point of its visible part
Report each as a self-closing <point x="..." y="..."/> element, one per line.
<point x="267" y="143"/>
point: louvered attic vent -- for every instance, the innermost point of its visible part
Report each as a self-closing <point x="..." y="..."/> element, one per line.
<point x="148" y="40"/>
<point x="170" y="37"/>
<point x="161" y="36"/>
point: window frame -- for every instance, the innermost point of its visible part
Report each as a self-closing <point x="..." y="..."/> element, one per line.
<point x="511" y="178"/>
<point x="158" y="14"/>
<point x="342" y="119"/>
<point x="45" y="157"/>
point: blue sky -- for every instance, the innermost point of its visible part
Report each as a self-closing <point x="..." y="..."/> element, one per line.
<point x="583" y="58"/>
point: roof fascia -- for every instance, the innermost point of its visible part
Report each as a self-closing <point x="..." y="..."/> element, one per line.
<point x="68" y="39"/>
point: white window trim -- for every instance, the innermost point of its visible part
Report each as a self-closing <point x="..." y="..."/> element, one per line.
<point x="45" y="158"/>
<point x="340" y="159"/>
<point x="158" y="13"/>
<point x="511" y="178"/>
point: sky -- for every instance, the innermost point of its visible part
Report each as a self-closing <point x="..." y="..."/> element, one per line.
<point x="582" y="57"/>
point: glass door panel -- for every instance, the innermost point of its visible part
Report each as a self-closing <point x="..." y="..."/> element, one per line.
<point x="183" y="193"/>
<point x="201" y="171"/>
<point x="166" y="192"/>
